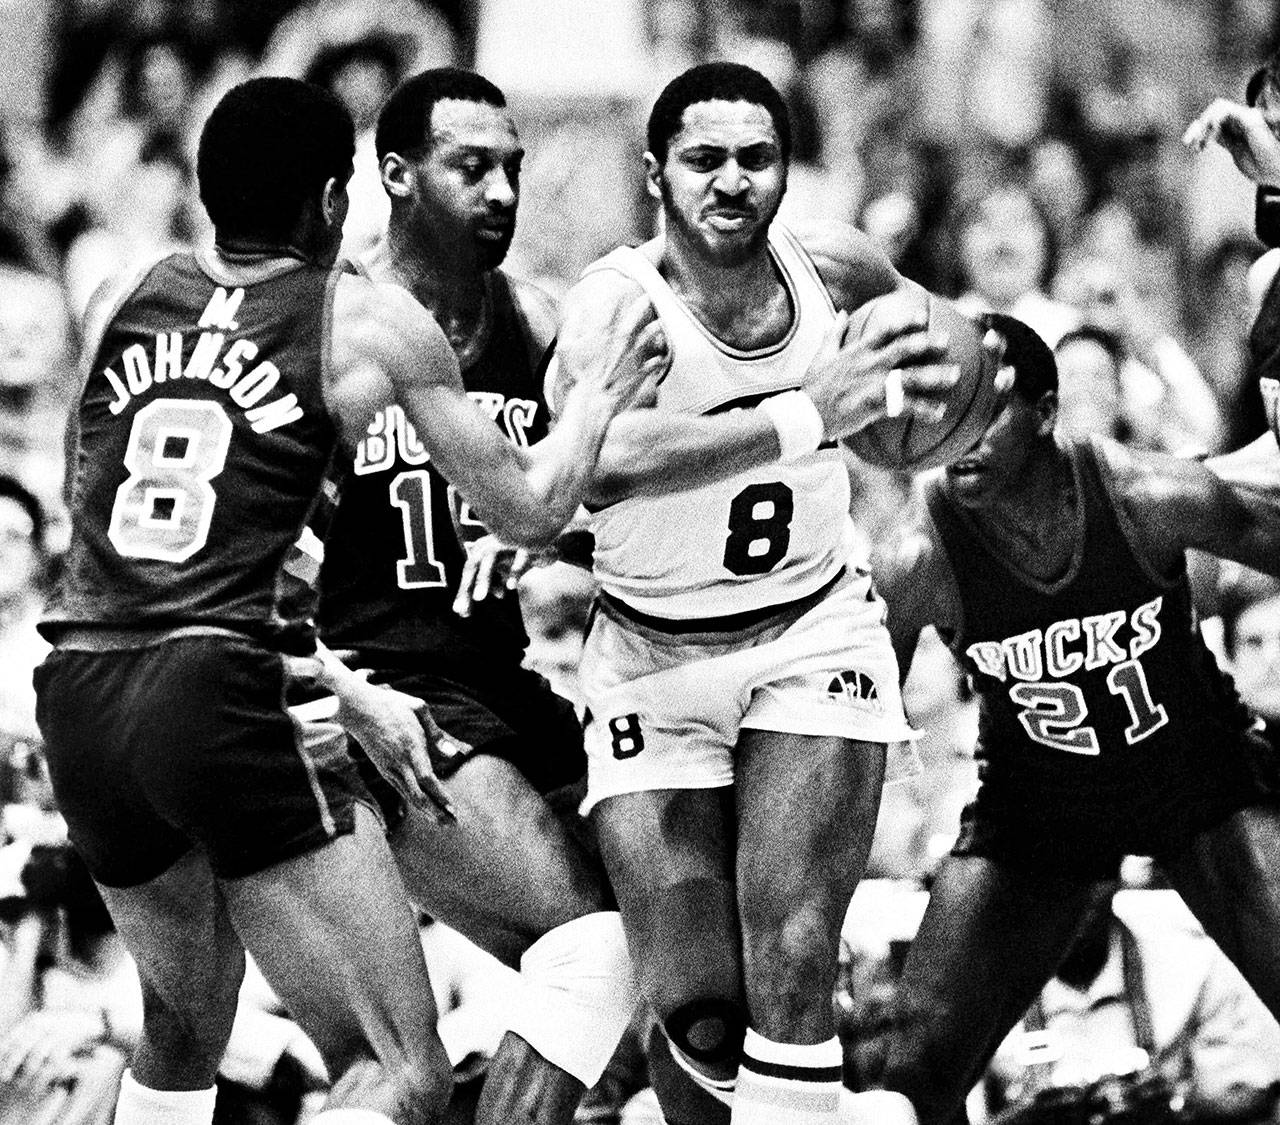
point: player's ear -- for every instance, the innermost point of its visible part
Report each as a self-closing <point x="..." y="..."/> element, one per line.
<point x="1046" y="413"/>
<point x="333" y="201"/>
<point x="395" y="172"/>
<point x="653" y="175"/>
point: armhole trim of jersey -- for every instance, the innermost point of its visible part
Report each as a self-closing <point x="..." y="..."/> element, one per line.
<point x="95" y="325"/>
<point x="1129" y="530"/>
<point x="936" y="494"/>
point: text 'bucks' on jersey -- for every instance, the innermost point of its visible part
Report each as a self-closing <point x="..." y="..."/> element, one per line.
<point x="762" y="537"/>
<point x="1096" y="677"/>
<point x="203" y="437"/>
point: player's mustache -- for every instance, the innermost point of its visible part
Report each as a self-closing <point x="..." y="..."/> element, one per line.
<point x="730" y="206"/>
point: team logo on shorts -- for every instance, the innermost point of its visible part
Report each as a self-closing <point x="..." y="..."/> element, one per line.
<point x="857" y="688"/>
<point x="1271" y="402"/>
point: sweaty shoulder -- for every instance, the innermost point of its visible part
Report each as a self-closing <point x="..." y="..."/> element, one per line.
<point x="850" y="264"/>
<point x="1152" y="494"/>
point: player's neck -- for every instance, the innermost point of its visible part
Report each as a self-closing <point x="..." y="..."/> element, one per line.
<point x="1037" y="520"/>
<point x="456" y="294"/>
<point x="745" y="305"/>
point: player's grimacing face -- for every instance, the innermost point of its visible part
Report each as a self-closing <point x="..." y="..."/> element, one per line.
<point x="469" y="178"/>
<point x="993" y="467"/>
<point x="723" y="179"/>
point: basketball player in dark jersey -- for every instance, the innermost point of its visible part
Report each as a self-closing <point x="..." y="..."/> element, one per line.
<point x="1055" y="573"/>
<point x="218" y="385"/>
<point x="508" y="873"/>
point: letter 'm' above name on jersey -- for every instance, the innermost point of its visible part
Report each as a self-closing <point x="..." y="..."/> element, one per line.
<point x="221" y="310"/>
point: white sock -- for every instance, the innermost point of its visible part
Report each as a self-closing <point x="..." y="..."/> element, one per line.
<point x="140" y="1105"/>
<point x="788" y="1083"/>
<point x="351" y="1115"/>
<point x="876" y="1107"/>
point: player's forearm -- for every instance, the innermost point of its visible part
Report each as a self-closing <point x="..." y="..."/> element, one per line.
<point x="652" y="452"/>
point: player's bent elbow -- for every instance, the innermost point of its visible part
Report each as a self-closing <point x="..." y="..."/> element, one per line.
<point x="536" y="528"/>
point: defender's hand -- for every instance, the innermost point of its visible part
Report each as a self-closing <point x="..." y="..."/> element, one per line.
<point x="396" y="730"/>
<point x="495" y="567"/>
<point x="890" y="370"/>
<point x="621" y="361"/>
<point x="1243" y="131"/>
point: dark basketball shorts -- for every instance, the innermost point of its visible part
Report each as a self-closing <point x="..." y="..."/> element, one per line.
<point x="1076" y="830"/>
<point x="515" y="716"/>
<point x="188" y="744"/>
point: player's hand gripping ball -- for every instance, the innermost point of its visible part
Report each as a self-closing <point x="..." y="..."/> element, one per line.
<point x="911" y="441"/>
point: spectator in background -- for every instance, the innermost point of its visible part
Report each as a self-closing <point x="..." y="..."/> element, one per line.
<point x="1007" y="254"/>
<point x="1146" y="1015"/>
<point x="1090" y="399"/>
<point x="1164" y="400"/>
<point x="1220" y="312"/>
<point x="23" y="573"/>
<point x="1249" y="609"/>
<point x="70" y="1003"/>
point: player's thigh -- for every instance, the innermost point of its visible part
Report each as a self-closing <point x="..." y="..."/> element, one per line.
<point x="991" y="936"/>
<point x="670" y="858"/>
<point x="334" y="935"/>
<point x="1229" y="875"/>
<point x="507" y="870"/>
<point x="190" y="962"/>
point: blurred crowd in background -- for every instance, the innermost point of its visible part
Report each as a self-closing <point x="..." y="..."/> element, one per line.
<point x="1016" y="155"/>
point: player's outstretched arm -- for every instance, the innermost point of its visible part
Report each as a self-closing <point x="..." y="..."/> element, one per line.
<point x="1172" y="503"/>
<point x="650" y="451"/>
<point x="1243" y="131"/>
<point x="387" y="348"/>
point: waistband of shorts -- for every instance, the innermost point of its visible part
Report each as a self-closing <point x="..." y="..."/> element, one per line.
<point x="109" y="638"/>
<point x="731" y="623"/>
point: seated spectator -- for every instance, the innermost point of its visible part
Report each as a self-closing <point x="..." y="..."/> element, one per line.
<point x="1146" y="1015"/>
<point x="1249" y="612"/>
<point x="70" y="1003"/>
<point x="1007" y="256"/>
<point x="1090" y="399"/>
<point x="1166" y="401"/>
<point x="23" y="571"/>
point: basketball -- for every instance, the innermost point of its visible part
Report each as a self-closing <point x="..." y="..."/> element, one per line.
<point x="914" y="443"/>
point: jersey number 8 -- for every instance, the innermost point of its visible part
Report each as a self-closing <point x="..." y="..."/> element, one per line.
<point x="164" y="507"/>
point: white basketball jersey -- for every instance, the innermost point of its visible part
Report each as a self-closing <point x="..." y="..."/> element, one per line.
<point x="763" y="537"/>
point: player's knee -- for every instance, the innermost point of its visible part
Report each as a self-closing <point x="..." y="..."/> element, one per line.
<point x="790" y="961"/>
<point x="708" y="1031"/>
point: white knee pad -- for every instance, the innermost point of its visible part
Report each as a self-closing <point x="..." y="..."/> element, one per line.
<point x="578" y="994"/>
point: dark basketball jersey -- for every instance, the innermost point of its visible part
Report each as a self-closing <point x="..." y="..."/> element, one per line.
<point x="1097" y="679"/>
<point x="203" y="441"/>
<point x="392" y="555"/>
<point x="1264" y="353"/>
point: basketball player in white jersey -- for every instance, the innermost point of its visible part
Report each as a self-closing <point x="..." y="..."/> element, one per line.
<point x="742" y="693"/>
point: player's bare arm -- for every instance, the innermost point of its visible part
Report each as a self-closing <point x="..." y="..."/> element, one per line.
<point x="386" y="347"/>
<point x="913" y="575"/>
<point x="1172" y="503"/>
<point x="649" y="451"/>
<point x="1243" y="131"/>
<point x="851" y="266"/>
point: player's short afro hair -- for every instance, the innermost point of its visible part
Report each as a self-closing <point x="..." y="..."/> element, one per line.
<point x="404" y="125"/>
<point x="1035" y="369"/>
<point x="268" y="147"/>
<point x="716" y="81"/>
